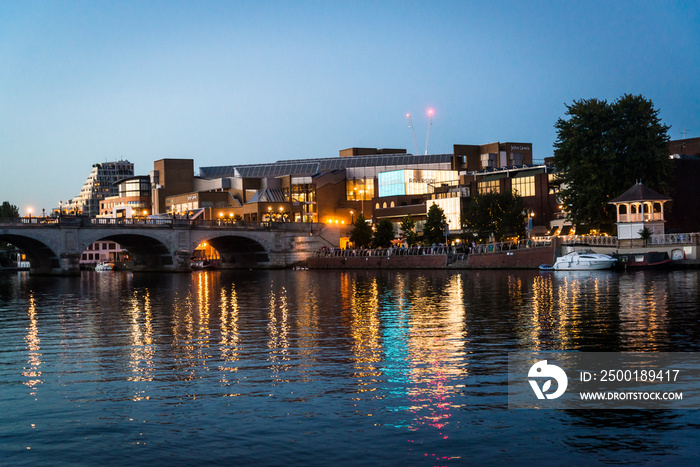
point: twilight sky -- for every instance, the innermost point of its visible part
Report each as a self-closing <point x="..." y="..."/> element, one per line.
<point x="241" y="82"/>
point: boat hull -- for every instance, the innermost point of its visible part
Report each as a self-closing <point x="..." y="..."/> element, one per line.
<point x="583" y="262"/>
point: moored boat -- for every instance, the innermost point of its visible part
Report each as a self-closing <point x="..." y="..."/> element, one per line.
<point x="581" y="261"/>
<point x="104" y="266"/>
<point x="643" y="260"/>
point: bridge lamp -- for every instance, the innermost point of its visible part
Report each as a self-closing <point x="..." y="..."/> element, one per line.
<point x="29" y="212"/>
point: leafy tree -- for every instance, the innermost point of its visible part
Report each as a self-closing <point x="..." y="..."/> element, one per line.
<point x="602" y="149"/>
<point x="408" y="226"/>
<point x="384" y="234"/>
<point x="500" y="214"/>
<point x="433" y="230"/>
<point x="645" y="234"/>
<point x="8" y="211"/>
<point x="361" y="232"/>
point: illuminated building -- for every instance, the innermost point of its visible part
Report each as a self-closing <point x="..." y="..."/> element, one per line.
<point x="100" y="184"/>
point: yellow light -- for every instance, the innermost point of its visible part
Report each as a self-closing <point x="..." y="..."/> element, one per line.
<point x="221" y="214"/>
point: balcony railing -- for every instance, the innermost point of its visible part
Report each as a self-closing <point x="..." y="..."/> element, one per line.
<point x="641" y="217"/>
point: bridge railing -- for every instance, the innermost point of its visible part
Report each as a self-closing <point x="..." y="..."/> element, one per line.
<point x="81" y="221"/>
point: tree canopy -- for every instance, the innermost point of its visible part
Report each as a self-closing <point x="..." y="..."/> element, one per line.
<point x="500" y="214"/>
<point x="8" y="211"/>
<point x="383" y="234"/>
<point x="434" y="228"/>
<point x="603" y="149"/>
<point x="361" y="232"/>
<point x="408" y="226"/>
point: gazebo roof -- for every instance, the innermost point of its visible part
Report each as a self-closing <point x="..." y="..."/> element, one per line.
<point x="639" y="192"/>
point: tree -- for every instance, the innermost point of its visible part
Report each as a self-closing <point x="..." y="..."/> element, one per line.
<point x="498" y="214"/>
<point x="384" y="234"/>
<point x="361" y="232"/>
<point x="645" y="234"/>
<point x="8" y="211"/>
<point x="603" y="149"/>
<point x="408" y="226"/>
<point x="433" y="230"/>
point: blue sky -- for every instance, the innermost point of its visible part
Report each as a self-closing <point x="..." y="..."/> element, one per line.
<point x="259" y="81"/>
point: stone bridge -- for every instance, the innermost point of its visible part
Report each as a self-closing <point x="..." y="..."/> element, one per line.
<point x="54" y="245"/>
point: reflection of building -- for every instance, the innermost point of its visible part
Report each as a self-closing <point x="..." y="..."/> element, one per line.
<point x="100" y="184"/>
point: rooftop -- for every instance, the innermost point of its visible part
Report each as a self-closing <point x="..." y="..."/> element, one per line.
<point x="639" y="192"/>
<point x="307" y="167"/>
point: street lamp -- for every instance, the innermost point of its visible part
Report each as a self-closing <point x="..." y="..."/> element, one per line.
<point x="352" y="217"/>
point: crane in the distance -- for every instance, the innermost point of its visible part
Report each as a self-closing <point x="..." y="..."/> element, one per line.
<point x="413" y="131"/>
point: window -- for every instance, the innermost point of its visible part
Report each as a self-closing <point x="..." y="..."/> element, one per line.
<point x="524" y="186"/>
<point x="492" y="186"/>
<point x="359" y="189"/>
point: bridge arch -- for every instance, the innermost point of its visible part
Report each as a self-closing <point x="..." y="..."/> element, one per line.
<point x="235" y="250"/>
<point x="42" y="256"/>
<point x="149" y="253"/>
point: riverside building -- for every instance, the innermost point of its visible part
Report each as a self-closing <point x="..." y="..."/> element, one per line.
<point x="100" y="184"/>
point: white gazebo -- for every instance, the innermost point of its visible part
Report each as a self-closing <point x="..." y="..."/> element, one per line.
<point x="637" y="208"/>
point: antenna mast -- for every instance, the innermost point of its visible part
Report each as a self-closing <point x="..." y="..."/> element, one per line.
<point x="413" y="132"/>
<point x="430" y="123"/>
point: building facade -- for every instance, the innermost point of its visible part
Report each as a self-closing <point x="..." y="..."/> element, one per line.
<point x="133" y="200"/>
<point x="100" y="184"/>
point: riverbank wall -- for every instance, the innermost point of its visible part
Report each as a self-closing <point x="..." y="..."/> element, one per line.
<point x="527" y="258"/>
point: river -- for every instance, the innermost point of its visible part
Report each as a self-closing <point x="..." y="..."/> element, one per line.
<point x="327" y="367"/>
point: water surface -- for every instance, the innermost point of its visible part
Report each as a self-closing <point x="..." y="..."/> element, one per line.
<point x="326" y="367"/>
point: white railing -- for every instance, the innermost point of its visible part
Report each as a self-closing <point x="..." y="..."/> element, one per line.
<point x="591" y="240"/>
<point x="537" y="242"/>
<point x="675" y="239"/>
<point x="640" y="217"/>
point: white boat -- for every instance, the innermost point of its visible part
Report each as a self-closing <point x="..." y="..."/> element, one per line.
<point x="582" y="261"/>
<point x="104" y="266"/>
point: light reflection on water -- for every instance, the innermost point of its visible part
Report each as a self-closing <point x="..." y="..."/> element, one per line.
<point x="325" y="367"/>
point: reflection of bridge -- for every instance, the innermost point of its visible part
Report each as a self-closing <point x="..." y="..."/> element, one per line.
<point x="54" y="245"/>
